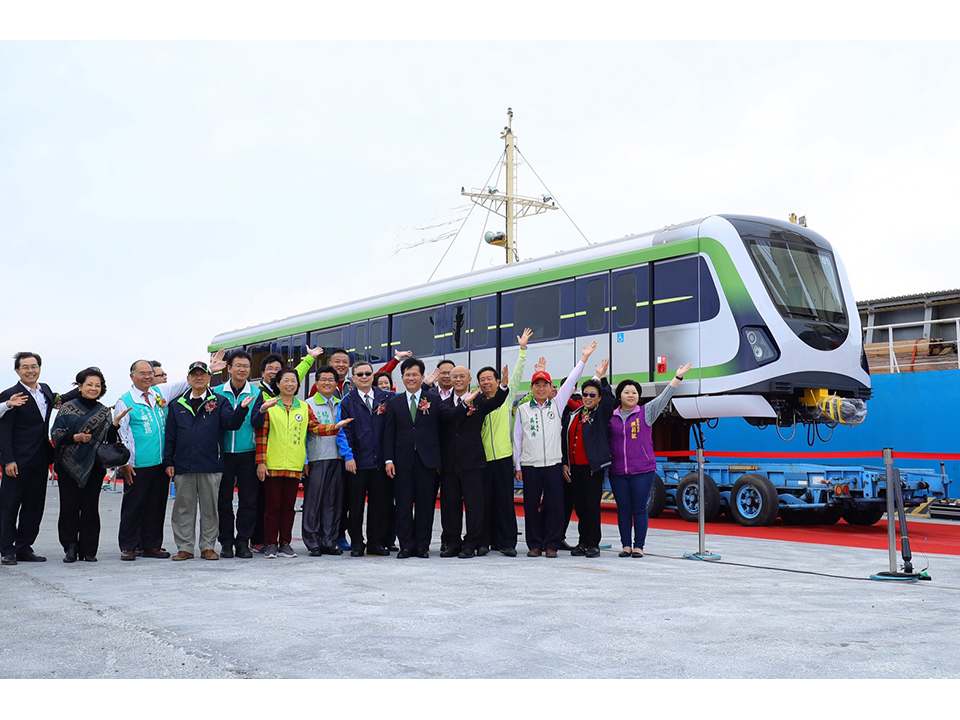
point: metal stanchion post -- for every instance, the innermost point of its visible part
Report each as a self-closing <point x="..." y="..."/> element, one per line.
<point x="702" y="553"/>
<point x="893" y="495"/>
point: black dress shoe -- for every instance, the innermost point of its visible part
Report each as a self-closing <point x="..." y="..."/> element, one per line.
<point x="356" y="552"/>
<point x="89" y="558"/>
<point x="564" y="545"/>
<point x="331" y="550"/>
<point x="578" y="551"/>
<point x="593" y="552"/>
<point x="508" y="552"/>
<point x="403" y="554"/>
<point x="464" y="554"/>
<point x="423" y="553"/>
<point x="30" y="556"/>
<point x="482" y="550"/>
<point x="243" y="551"/>
<point x="70" y="554"/>
<point x="379" y="550"/>
<point x="314" y="552"/>
<point x="8" y="560"/>
<point x="392" y="547"/>
<point x="226" y="551"/>
<point x="450" y="551"/>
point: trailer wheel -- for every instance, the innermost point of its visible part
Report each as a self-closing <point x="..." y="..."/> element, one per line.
<point x="862" y="515"/>
<point x="688" y="498"/>
<point x="754" y="501"/>
<point x="658" y="498"/>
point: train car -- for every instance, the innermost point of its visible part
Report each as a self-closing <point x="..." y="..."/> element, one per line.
<point x="761" y="307"/>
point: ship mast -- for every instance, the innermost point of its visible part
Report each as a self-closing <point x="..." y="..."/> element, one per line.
<point x="510" y="206"/>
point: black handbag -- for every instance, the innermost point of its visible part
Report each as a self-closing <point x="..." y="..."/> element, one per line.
<point x="113" y="454"/>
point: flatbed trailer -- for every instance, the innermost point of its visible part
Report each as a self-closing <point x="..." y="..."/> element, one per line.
<point x="755" y="494"/>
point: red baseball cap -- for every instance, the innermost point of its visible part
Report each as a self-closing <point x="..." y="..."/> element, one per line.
<point x="541" y="375"/>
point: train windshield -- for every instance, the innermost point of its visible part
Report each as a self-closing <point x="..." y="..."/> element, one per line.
<point x="803" y="281"/>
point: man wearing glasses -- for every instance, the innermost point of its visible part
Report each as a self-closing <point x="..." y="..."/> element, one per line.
<point x="159" y="374"/>
<point x="360" y="445"/>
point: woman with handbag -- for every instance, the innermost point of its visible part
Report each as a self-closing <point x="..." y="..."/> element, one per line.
<point x="82" y="427"/>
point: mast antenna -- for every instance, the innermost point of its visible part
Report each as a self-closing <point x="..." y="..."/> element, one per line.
<point x="510" y="206"/>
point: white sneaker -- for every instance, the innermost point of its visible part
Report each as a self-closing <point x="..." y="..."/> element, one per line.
<point x="287" y="551"/>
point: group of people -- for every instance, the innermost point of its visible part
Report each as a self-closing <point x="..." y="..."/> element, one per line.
<point x="356" y="445"/>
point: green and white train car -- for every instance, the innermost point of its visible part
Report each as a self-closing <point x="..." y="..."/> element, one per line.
<point x="762" y="308"/>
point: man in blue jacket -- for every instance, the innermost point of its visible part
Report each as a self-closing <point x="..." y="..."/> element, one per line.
<point x="191" y="456"/>
<point x="360" y="445"/>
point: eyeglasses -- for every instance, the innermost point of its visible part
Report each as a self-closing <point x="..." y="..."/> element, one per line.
<point x="160" y="374"/>
<point x="589" y="395"/>
<point x="362" y="374"/>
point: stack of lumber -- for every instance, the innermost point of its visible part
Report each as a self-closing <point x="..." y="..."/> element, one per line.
<point x="912" y="355"/>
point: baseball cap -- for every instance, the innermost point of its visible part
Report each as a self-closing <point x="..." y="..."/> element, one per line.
<point x="199" y="366"/>
<point x="541" y="375"/>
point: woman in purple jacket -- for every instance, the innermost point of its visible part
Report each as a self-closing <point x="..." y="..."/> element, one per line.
<point x="633" y="466"/>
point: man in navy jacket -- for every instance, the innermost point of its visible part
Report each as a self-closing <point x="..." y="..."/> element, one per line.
<point x="192" y="457"/>
<point x="361" y="447"/>
<point x="25" y="454"/>
<point x="411" y="451"/>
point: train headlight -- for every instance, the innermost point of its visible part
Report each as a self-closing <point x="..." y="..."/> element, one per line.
<point x="760" y="345"/>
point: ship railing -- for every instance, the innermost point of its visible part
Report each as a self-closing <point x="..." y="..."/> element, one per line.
<point x="913" y="354"/>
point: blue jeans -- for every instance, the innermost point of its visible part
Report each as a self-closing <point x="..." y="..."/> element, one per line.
<point x="632" y="493"/>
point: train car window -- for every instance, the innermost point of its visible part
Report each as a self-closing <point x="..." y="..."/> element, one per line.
<point x="626" y="290"/>
<point x="329" y="340"/>
<point x="596" y="305"/>
<point x="297" y="349"/>
<point x="458" y="321"/>
<point x="377" y="341"/>
<point x="417" y="332"/>
<point x="683" y="292"/>
<point x="258" y="352"/>
<point x="481" y="323"/>
<point x="539" y="309"/>
<point x="803" y="282"/>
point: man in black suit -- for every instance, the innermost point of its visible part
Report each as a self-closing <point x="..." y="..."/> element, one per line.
<point x="411" y="449"/>
<point x="26" y="453"/>
<point x="462" y="460"/>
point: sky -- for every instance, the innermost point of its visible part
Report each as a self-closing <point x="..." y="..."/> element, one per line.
<point x="156" y="191"/>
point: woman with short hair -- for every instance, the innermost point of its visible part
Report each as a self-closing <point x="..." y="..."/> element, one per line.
<point x="633" y="466"/>
<point x="80" y="428"/>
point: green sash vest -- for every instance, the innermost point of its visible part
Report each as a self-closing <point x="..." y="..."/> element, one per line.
<point x="286" y="441"/>
<point x="147" y="425"/>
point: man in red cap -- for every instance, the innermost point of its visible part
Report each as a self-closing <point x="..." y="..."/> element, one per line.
<point x="537" y="458"/>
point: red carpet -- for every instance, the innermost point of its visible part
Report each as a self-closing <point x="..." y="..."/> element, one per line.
<point x="925" y="537"/>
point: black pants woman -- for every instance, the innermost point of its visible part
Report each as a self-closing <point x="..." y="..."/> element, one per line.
<point x="81" y="426"/>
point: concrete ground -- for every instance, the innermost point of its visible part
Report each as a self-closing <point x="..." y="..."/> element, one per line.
<point x="768" y="609"/>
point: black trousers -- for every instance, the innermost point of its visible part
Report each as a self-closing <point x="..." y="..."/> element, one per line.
<point x="21" y="508"/>
<point x="543" y="528"/>
<point x="459" y="490"/>
<point x="415" y="490"/>
<point x="586" y="486"/>
<point x="370" y="486"/>
<point x="79" y="522"/>
<point x="143" y="509"/>
<point x="499" y="525"/>
<point x="240" y="472"/>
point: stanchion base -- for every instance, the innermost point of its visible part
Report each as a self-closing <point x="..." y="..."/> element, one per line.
<point x="899" y="576"/>
<point x="701" y="556"/>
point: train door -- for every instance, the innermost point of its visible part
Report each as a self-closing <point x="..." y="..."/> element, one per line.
<point x="328" y="341"/>
<point x="630" y="324"/>
<point x="456" y="332"/>
<point x="484" y="320"/>
<point x="357" y="341"/>
<point x="378" y="344"/>
<point x="592" y="318"/>
<point x="550" y="311"/>
<point x="676" y="318"/>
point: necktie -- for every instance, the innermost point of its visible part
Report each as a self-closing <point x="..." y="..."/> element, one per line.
<point x="146" y="399"/>
<point x="413" y="407"/>
<point x="369" y="403"/>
